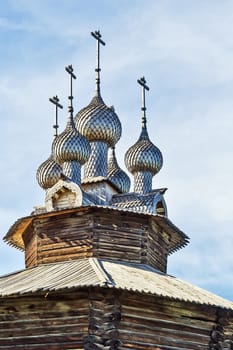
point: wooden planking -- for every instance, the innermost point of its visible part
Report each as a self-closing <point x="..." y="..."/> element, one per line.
<point x="86" y="234"/>
<point x="126" y="234"/>
<point x="119" y="237"/>
<point x="43" y="323"/>
<point x="102" y="318"/>
<point x="228" y="335"/>
<point x="129" y="245"/>
<point x="31" y="251"/>
<point x="61" y="238"/>
<point x="58" y="258"/>
<point x="148" y="323"/>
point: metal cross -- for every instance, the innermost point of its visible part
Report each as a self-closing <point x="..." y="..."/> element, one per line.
<point x="70" y="70"/>
<point x="142" y="82"/>
<point x="99" y="41"/>
<point x="55" y="101"/>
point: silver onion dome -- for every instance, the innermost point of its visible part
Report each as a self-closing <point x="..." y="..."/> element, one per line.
<point x="98" y="122"/>
<point x="70" y="148"/>
<point x="143" y="159"/>
<point x="48" y="173"/>
<point x="70" y="145"/>
<point x="115" y="174"/>
<point x="144" y="155"/>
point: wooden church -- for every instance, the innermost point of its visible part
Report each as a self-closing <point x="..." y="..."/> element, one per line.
<point x="96" y="253"/>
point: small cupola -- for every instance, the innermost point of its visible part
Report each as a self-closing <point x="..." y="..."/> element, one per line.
<point x="70" y="148"/>
<point x="143" y="159"/>
<point x="116" y="175"/>
<point x="49" y="172"/>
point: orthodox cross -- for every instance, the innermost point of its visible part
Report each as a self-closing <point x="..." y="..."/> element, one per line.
<point x="99" y="41"/>
<point x="55" y="101"/>
<point x="70" y="70"/>
<point x="142" y="82"/>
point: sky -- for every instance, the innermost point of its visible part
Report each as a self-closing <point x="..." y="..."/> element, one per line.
<point x="184" y="48"/>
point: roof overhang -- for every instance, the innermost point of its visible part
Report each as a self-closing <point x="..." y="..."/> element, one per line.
<point x="91" y="272"/>
<point x="177" y="238"/>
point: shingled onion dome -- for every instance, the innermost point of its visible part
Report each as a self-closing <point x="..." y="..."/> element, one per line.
<point x="70" y="148"/>
<point x="143" y="159"/>
<point x="100" y="125"/>
<point x="115" y="174"/>
<point x="102" y="128"/>
<point x="48" y="173"/>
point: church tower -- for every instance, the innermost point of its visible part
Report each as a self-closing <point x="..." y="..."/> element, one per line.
<point x="96" y="253"/>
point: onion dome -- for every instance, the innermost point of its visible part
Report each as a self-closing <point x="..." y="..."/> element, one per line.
<point x="98" y="122"/>
<point x="70" y="148"/>
<point x="116" y="175"/>
<point x="144" y="155"/>
<point x="70" y="145"/>
<point x="143" y="159"/>
<point x="48" y="173"/>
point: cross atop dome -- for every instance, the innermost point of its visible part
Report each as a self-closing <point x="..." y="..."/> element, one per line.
<point x="142" y="82"/>
<point x="99" y="41"/>
<point x="70" y="71"/>
<point x="55" y="100"/>
<point x="143" y="159"/>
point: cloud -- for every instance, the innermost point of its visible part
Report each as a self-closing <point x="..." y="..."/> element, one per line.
<point x="186" y="57"/>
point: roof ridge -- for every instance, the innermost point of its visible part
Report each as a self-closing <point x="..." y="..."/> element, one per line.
<point x="101" y="273"/>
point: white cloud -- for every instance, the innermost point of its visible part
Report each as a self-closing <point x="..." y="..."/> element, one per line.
<point x="186" y="57"/>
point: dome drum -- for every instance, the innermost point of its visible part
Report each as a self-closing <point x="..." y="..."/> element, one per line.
<point x="143" y="182"/>
<point x="72" y="170"/>
<point x="97" y="162"/>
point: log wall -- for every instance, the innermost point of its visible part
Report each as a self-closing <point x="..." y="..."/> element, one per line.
<point x="153" y="323"/>
<point x="92" y="233"/>
<point x="109" y="319"/>
<point x="44" y="323"/>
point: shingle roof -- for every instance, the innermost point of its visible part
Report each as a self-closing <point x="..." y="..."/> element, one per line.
<point x="93" y="272"/>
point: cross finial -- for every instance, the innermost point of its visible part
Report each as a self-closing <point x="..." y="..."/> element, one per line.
<point x="55" y="101"/>
<point x="99" y="41"/>
<point x="70" y="70"/>
<point x="142" y="82"/>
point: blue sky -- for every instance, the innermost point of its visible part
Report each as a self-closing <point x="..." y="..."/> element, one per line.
<point x="185" y="50"/>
